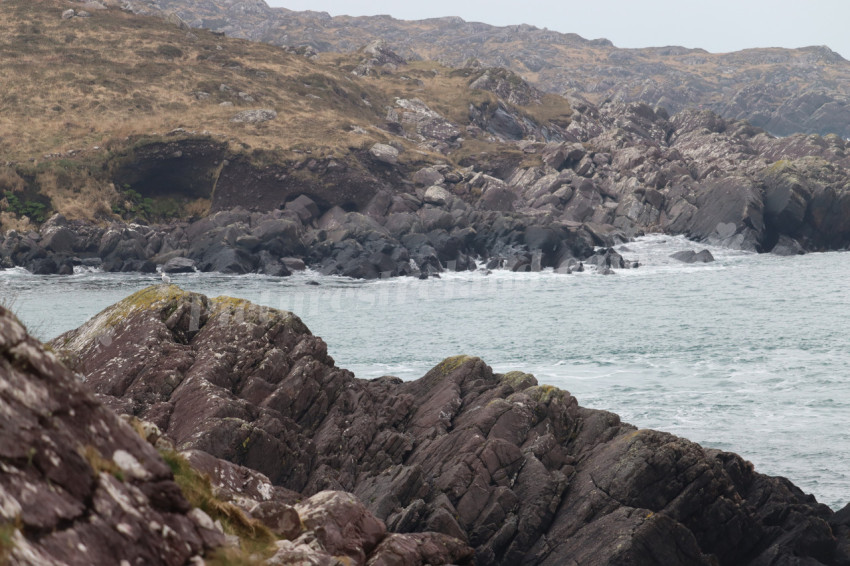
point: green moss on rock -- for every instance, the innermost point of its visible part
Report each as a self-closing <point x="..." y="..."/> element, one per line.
<point x="519" y="380"/>
<point x="449" y="365"/>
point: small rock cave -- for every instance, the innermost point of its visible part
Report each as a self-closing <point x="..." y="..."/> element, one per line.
<point x="186" y="169"/>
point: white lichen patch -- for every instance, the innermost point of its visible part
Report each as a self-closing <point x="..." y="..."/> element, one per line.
<point x="265" y="490"/>
<point x="201" y="519"/>
<point x="11" y="332"/>
<point x="113" y="490"/>
<point x="27" y="392"/>
<point x="25" y="552"/>
<point x="130" y="465"/>
<point x="10" y="508"/>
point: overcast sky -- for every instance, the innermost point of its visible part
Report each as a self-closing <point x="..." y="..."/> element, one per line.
<point x="716" y="25"/>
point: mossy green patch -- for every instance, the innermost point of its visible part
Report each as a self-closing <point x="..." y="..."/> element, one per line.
<point x="778" y="166"/>
<point x="451" y="364"/>
<point x="148" y="298"/>
<point x="7" y="538"/>
<point x="518" y="379"/>
<point x="546" y="393"/>
<point x="197" y="488"/>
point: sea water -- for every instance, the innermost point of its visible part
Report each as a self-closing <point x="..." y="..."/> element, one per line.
<point x="747" y="354"/>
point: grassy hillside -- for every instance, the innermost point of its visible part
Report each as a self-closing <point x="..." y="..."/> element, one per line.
<point x="784" y="91"/>
<point x="81" y="95"/>
<point x="78" y="83"/>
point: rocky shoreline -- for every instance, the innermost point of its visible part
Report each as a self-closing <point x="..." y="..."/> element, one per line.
<point x="461" y="466"/>
<point x="619" y="171"/>
<point x="429" y="168"/>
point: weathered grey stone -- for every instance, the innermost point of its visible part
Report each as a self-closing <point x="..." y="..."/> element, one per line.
<point x="179" y="265"/>
<point x="437" y="195"/>
<point x="254" y="116"/>
<point x="384" y="153"/>
<point x="690" y="256"/>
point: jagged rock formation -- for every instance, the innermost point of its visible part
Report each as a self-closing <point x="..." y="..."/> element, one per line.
<point x="516" y="469"/>
<point x="614" y="172"/>
<point x="430" y="168"/>
<point x="782" y="90"/>
<point x="79" y="485"/>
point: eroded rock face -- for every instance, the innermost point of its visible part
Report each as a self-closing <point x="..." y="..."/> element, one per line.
<point x="517" y="470"/>
<point x="79" y="485"/>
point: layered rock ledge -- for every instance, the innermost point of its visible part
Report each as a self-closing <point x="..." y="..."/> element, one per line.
<point x="78" y="484"/>
<point x="516" y="470"/>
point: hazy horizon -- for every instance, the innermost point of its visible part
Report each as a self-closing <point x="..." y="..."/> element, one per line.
<point x="724" y="25"/>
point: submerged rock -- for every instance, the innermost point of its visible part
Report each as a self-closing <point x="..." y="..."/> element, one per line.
<point x="690" y="256"/>
<point x="514" y="469"/>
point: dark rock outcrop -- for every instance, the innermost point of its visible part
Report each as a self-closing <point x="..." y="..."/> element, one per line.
<point x="628" y="170"/>
<point x="517" y="470"/>
<point x="79" y="485"/>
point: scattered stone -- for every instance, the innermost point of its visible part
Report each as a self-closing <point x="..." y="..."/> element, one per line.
<point x="437" y="196"/>
<point x="384" y="153"/>
<point x="428" y="176"/>
<point x="254" y="116"/>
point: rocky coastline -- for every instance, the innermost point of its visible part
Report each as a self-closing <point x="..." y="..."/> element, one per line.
<point x="623" y="171"/>
<point x="461" y="466"/>
<point x="414" y="168"/>
<point x="178" y="429"/>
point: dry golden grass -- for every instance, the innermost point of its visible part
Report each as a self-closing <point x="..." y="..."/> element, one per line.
<point x="78" y="92"/>
<point x="74" y="84"/>
<point x="198" y="208"/>
<point x="10" y="180"/>
<point x="10" y="221"/>
<point x="77" y="194"/>
<point x="254" y="537"/>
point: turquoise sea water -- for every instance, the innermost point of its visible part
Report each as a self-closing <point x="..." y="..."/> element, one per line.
<point x="748" y="354"/>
